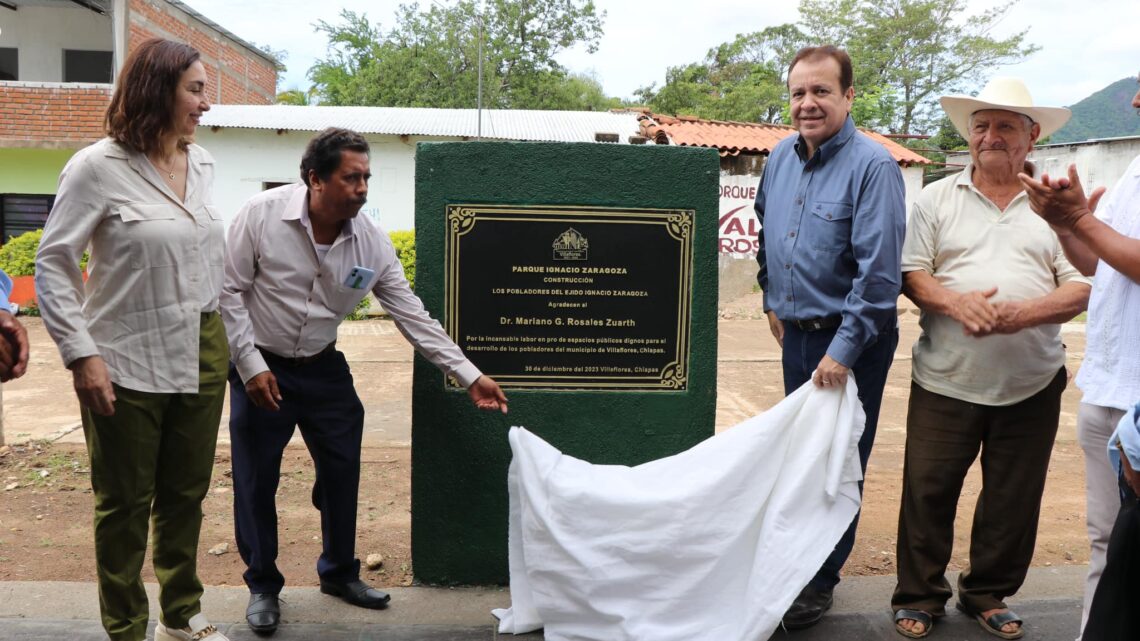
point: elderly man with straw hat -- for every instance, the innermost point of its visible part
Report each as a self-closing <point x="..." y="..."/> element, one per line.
<point x="993" y="285"/>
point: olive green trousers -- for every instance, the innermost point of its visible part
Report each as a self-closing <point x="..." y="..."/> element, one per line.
<point x="151" y="461"/>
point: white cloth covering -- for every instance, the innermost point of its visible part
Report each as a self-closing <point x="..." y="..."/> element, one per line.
<point x="711" y="544"/>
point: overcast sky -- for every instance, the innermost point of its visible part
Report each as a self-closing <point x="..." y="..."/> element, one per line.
<point x="1085" y="44"/>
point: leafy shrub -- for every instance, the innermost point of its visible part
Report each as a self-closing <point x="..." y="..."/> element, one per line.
<point x="405" y="243"/>
<point x="18" y="255"/>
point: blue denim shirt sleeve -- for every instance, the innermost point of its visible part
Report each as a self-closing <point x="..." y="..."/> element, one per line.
<point x="5" y="291"/>
<point x="877" y="232"/>
<point x="761" y="254"/>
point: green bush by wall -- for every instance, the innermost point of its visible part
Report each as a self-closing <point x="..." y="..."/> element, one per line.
<point x="405" y="243"/>
<point x="18" y="255"/>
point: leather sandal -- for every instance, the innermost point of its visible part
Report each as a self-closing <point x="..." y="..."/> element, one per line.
<point x="918" y="616"/>
<point x="994" y="622"/>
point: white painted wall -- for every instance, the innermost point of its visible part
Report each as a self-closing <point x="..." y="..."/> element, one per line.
<point x="912" y="178"/>
<point x="1100" y="163"/>
<point x="248" y="158"/>
<point x="42" y="33"/>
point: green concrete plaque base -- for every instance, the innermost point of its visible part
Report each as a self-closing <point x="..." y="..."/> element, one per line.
<point x="581" y="276"/>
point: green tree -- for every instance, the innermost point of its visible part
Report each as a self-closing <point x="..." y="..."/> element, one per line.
<point x="912" y="51"/>
<point x="298" y="97"/>
<point x="905" y="53"/>
<point x="430" y="58"/>
<point x="743" y="80"/>
<point x="946" y="136"/>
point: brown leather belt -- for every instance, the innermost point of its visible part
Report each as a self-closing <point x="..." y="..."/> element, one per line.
<point x="817" y="324"/>
<point x="299" y="360"/>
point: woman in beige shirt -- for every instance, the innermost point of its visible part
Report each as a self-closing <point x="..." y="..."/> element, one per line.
<point x="143" y="337"/>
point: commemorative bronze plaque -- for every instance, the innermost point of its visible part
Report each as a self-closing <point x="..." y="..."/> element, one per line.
<point x="571" y="297"/>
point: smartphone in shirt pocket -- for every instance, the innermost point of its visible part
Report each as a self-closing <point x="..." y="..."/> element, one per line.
<point x="359" y="277"/>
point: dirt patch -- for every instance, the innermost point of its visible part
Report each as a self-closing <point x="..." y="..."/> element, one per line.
<point x="45" y="520"/>
<point x="46" y="517"/>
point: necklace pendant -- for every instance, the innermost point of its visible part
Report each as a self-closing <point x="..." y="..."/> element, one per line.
<point x="172" y="175"/>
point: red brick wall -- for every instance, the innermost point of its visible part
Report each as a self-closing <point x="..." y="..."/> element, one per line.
<point x="67" y="116"/>
<point x="246" y="78"/>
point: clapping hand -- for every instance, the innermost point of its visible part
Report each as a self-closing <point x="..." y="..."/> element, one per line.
<point x="1060" y="201"/>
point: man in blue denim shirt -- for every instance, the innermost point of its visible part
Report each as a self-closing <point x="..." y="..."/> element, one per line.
<point x="832" y="208"/>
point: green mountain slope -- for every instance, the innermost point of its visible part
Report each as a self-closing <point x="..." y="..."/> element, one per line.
<point x="1105" y="114"/>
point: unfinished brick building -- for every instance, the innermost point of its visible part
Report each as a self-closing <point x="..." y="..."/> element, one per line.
<point x="58" y="59"/>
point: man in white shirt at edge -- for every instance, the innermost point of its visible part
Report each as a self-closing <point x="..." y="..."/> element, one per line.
<point x="298" y="260"/>
<point x="1108" y="245"/>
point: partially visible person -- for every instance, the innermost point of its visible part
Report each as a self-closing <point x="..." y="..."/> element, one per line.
<point x="13" y="336"/>
<point x="143" y="337"/>
<point x="993" y="286"/>
<point x="831" y="204"/>
<point x="1106" y="244"/>
<point x="1113" y="614"/>
<point x="300" y="258"/>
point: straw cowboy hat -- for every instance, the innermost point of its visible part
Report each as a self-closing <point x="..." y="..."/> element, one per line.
<point x="1009" y="94"/>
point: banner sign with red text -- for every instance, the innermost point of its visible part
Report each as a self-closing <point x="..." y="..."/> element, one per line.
<point x="738" y="224"/>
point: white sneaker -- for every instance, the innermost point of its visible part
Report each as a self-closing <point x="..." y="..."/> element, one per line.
<point x="199" y="630"/>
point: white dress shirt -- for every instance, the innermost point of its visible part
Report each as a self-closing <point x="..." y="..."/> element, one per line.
<point x="1110" y="373"/>
<point x="155" y="266"/>
<point x="279" y="295"/>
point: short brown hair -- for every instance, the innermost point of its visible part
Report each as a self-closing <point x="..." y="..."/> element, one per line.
<point x="827" y="51"/>
<point x="140" y="110"/>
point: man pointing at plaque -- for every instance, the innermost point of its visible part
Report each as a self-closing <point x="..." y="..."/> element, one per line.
<point x="832" y="208"/>
<point x="300" y="259"/>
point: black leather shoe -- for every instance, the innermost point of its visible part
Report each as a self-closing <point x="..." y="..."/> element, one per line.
<point x="263" y="613"/>
<point x="808" y="608"/>
<point x="357" y="593"/>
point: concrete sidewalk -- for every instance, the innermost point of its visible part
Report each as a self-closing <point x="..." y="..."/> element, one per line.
<point x="41" y="611"/>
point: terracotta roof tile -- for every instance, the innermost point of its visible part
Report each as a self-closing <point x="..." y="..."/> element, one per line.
<point x="734" y="138"/>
